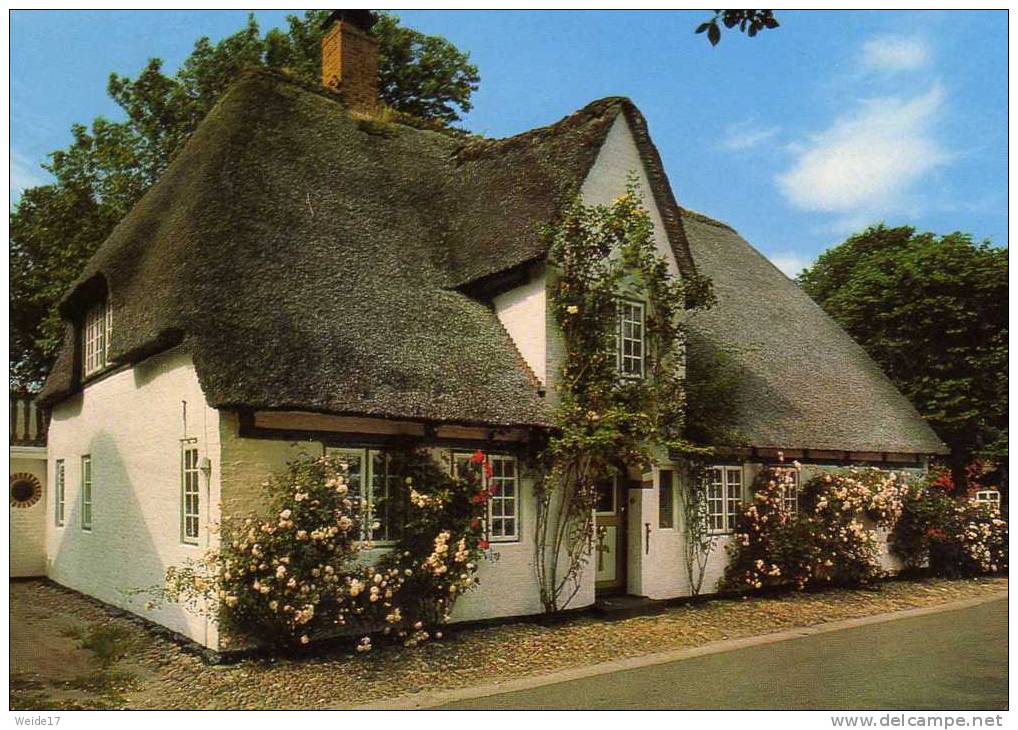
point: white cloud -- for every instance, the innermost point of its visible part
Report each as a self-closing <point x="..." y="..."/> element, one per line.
<point x="746" y="135"/>
<point x="895" y="53"/>
<point x="868" y="163"/>
<point x="25" y="173"/>
<point x="789" y="262"/>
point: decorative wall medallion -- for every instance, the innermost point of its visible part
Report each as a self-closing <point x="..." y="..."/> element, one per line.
<point x="25" y="490"/>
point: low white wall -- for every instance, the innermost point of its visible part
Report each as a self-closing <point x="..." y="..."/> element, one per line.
<point x="28" y="524"/>
<point x="132" y="423"/>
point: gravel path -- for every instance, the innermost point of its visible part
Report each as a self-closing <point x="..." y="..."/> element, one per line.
<point x="169" y="678"/>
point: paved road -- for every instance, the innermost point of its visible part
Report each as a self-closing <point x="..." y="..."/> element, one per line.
<point x="952" y="660"/>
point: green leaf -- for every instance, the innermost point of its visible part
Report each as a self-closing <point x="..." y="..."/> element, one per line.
<point x="714" y="34"/>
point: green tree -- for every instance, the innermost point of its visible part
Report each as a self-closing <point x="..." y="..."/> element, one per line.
<point x="932" y="311"/>
<point x="108" y="166"/>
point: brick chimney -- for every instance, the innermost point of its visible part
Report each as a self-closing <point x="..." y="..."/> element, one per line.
<point x="350" y="58"/>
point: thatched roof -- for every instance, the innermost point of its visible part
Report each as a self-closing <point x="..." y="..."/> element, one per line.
<point x="802" y="382"/>
<point x="312" y="261"/>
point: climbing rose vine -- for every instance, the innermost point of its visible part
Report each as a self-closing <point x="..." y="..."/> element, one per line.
<point x="295" y="575"/>
<point x="597" y="255"/>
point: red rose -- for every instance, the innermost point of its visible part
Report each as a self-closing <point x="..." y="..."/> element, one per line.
<point x="487" y="469"/>
<point x="478" y="457"/>
<point x="482" y="544"/>
<point x="475" y="524"/>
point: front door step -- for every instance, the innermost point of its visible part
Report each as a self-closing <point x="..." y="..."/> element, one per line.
<point x="619" y="607"/>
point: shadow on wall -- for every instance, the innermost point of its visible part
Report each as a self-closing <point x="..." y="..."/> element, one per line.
<point x="135" y="536"/>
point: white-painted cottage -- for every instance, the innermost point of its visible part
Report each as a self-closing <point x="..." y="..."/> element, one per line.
<point x="304" y="278"/>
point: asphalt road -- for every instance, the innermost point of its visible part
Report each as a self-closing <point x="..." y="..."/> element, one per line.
<point x="956" y="660"/>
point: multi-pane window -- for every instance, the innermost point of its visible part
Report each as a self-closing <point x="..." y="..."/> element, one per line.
<point x="987" y="496"/>
<point x="631" y="339"/>
<point x="371" y="480"/>
<point x="666" y="499"/>
<point x="503" y="516"/>
<point x="96" y="338"/>
<point x="503" y="519"/>
<point x="189" y="520"/>
<point x="724" y="493"/>
<point x="790" y="492"/>
<point x="384" y="498"/>
<point x="86" y="492"/>
<point x="59" y="489"/>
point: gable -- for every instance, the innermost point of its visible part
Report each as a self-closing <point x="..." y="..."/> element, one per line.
<point x="618" y="160"/>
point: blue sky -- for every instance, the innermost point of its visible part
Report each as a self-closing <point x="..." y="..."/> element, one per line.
<point x="797" y="137"/>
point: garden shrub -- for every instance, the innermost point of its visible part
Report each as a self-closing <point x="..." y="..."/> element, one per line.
<point x="949" y="538"/>
<point x="295" y="576"/>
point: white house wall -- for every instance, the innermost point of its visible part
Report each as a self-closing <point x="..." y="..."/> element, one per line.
<point x="132" y="424"/>
<point x="28" y="524"/>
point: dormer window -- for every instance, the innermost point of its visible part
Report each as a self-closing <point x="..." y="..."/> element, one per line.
<point x="95" y="334"/>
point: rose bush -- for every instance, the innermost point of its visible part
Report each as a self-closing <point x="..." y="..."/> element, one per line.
<point x="828" y="540"/>
<point x="947" y="537"/>
<point x="294" y="576"/>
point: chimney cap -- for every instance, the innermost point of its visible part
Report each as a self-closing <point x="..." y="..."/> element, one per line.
<point x="360" y="19"/>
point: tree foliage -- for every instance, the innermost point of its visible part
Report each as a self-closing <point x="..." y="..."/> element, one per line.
<point x="932" y="311"/>
<point x="109" y="165"/>
<point x="749" y="22"/>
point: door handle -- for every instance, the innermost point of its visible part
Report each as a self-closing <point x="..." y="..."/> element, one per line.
<point x="646" y="528"/>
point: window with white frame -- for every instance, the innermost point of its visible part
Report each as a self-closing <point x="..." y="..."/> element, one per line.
<point x="724" y="494"/>
<point x="384" y="498"/>
<point x="503" y="515"/>
<point x="86" y="492"/>
<point x="371" y="480"/>
<point x="987" y="496"/>
<point x="95" y="334"/>
<point x="59" y="490"/>
<point x="790" y="490"/>
<point x="189" y="515"/>
<point x="631" y="339"/>
<point x="503" y="518"/>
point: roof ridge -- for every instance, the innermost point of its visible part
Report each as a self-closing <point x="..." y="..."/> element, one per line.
<point x="697" y="216"/>
<point x="481" y="146"/>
